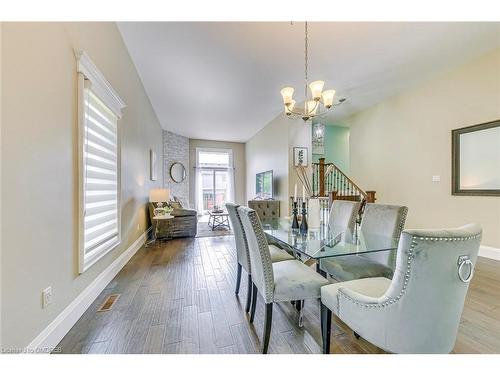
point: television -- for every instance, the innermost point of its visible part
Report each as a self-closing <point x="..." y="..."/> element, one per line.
<point x="264" y="185"/>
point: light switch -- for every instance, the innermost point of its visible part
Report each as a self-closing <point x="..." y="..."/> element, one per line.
<point x="436" y="178"/>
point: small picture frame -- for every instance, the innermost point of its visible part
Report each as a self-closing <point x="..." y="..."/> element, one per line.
<point x="152" y="165"/>
<point x="300" y="156"/>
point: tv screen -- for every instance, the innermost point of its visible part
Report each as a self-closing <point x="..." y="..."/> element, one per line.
<point x="264" y="185"/>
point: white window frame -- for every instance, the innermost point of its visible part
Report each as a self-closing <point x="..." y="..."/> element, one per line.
<point x="87" y="70"/>
<point x="221" y="150"/>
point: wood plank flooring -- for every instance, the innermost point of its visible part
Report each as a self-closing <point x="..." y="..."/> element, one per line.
<point x="178" y="297"/>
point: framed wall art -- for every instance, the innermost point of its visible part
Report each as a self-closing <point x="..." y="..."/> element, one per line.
<point x="300" y="156"/>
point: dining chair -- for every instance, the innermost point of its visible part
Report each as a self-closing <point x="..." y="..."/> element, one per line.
<point x="286" y="281"/>
<point x="382" y="220"/>
<point x="343" y="214"/>
<point x="242" y="253"/>
<point x="419" y="310"/>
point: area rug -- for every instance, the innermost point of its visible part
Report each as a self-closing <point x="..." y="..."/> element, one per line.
<point x="205" y="231"/>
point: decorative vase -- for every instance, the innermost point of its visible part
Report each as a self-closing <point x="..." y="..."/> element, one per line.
<point x="314" y="214"/>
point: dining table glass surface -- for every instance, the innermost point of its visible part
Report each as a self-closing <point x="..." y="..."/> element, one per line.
<point x="327" y="241"/>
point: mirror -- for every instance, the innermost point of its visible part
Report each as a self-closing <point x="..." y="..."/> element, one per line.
<point x="177" y="172"/>
<point x="476" y="160"/>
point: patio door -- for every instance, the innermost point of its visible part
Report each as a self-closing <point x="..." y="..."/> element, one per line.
<point x="214" y="188"/>
<point x="214" y="178"/>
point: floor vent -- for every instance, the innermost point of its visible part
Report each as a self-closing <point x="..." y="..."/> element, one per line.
<point x="108" y="304"/>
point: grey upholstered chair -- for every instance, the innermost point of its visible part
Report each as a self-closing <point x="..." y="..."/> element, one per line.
<point x="381" y="219"/>
<point x="343" y="214"/>
<point x="290" y="280"/>
<point x="242" y="253"/>
<point x="419" y="310"/>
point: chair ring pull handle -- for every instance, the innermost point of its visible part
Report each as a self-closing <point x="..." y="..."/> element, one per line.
<point x="462" y="261"/>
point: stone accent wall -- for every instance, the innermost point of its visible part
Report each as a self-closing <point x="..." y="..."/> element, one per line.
<point x="176" y="149"/>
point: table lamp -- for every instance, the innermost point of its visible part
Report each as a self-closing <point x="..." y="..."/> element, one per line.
<point x="159" y="196"/>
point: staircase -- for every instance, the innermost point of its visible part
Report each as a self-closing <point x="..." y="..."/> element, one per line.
<point x="328" y="181"/>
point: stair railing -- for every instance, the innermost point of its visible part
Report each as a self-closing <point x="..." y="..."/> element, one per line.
<point x="328" y="178"/>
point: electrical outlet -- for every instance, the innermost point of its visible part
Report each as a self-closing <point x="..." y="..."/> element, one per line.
<point x="436" y="178"/>
<point x="46" y="297"/>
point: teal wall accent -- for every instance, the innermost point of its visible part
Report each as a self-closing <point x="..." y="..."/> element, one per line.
<point x="336" y="147"/>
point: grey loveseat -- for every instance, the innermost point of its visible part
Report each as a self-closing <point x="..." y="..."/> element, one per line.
<point x="184" y="223"/>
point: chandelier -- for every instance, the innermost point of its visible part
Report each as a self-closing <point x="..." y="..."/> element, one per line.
<point x="321" y="101"/>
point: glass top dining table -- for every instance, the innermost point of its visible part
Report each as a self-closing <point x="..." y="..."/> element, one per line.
<point x="326" y="241"/>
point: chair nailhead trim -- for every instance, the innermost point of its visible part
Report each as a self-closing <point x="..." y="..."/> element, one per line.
<point x="264" y="255"/>
<point x="245" y="241"/>
<point x="402" y="221"/>
<point x="411" y="256"/>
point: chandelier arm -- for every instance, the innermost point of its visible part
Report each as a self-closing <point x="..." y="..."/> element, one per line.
<point x="295" y="112"/>
<point x="298" y="113"/>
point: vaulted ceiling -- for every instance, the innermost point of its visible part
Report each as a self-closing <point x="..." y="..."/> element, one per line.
<point x="221" y="80"/>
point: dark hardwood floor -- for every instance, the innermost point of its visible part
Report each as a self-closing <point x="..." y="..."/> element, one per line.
<point x="178" y="297"/>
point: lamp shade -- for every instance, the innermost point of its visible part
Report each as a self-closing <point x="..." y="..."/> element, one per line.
<point x="289" y="107"/>
<point x="312" y="107"/>
<point x="159" y="195"/>
<point x="287" y="94"/>
<point x="328" y="96"/>
<point x="316" y="88"/>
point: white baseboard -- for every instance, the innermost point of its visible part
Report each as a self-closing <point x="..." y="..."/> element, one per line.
<point x="60" y="326"/>
<point x="489" y="252"/>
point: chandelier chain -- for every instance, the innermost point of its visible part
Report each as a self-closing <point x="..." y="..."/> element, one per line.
<point x="306" y="42"/>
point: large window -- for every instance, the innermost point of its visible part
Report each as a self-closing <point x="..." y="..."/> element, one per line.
<point x="214" y="178"/>
<point x="99" y="148"/>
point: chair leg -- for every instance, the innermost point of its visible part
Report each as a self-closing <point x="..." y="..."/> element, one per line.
<point x="326" y="326"/>
<point x="254" y="302"/>
<point x="301" y="313"/>
<point x="267" y="326"/>
<point x="249" y="294"/>
<point x="238" y="279"/>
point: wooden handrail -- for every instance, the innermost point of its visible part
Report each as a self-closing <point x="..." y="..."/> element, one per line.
<point x="337" y="183"/>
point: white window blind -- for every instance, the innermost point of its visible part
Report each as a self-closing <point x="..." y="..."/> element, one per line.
<point x="100" y="161"/>
<point x="99" y="109"/>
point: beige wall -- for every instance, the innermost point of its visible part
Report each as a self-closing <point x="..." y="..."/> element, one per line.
<point x="39" y="164"/>
<point x="299" y="135"/>
<point x="397" y="146"/>
<point x="272" y="148"/>
<point x="238" y="161"/>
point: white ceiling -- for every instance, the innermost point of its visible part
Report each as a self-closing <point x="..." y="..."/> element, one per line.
<point x="221" y="80"/>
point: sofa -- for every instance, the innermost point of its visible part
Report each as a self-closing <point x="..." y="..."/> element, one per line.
<point x="184" y="223"/>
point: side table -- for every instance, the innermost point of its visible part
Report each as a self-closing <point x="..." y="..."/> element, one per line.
<point x="156" y="221"/>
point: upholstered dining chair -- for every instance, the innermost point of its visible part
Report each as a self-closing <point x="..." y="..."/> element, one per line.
<point x="243" y="255"/>
<point x="343" y="214"/>
<point x="286" y="281"/>
<point x="419" y="310"/>
<point x="381" y="219"/>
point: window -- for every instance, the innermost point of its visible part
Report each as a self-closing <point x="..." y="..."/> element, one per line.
<point x="99" y="168"/>
<point x="214" y="178"/>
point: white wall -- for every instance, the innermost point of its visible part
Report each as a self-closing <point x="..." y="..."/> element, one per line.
<point x="398" y="145"/>
<point x="238" y="162"/>
<point x="299" y="135"/>
<point x="39" y="164"/>
<point x="272" y="148"/>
